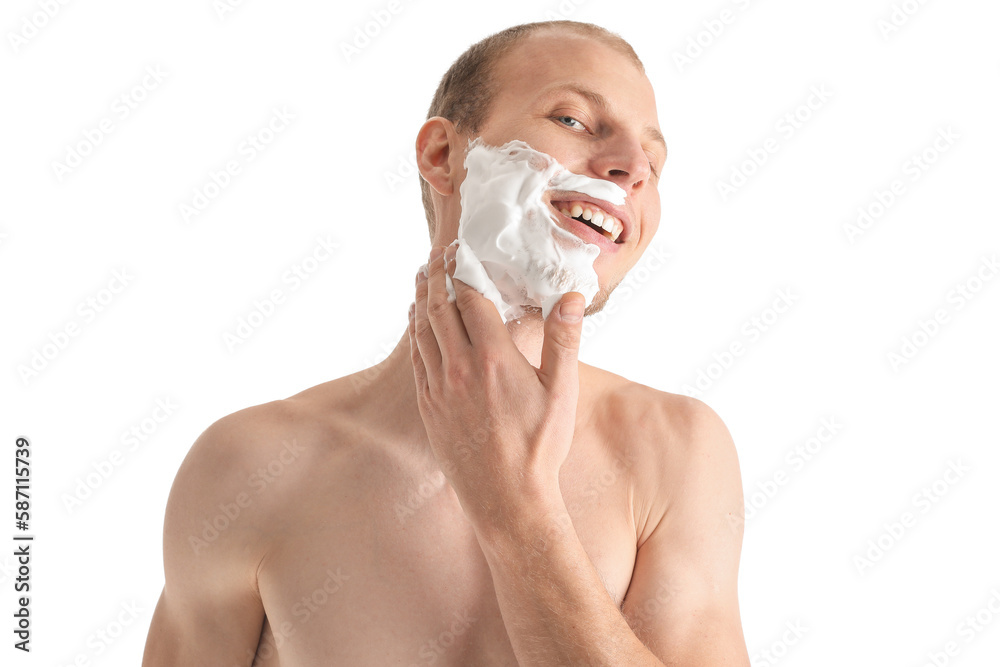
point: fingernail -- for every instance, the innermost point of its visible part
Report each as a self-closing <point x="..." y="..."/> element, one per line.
<point x="421" y="276"/>
<point x="436" y="252"/>
<point x="572" y="311"/>
<point x="412" y="310"/>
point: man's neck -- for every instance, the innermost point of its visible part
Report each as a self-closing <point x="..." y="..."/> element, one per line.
<point x="528" y="333"/>
<point x="393" y="382"/>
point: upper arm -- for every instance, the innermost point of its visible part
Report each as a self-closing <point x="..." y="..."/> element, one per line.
<point x="682" y="601"/>
<point x="210" y="611"/>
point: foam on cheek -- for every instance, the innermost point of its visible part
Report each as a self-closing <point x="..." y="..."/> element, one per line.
<point x="509" y="247"/>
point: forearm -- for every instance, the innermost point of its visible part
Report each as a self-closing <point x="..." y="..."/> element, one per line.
<point x="554" y="605"/>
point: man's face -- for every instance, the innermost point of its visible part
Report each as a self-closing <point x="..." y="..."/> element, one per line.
<point x="550" y="91"/>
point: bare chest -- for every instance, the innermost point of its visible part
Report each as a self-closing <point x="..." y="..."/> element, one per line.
<point x="380" y="566"/>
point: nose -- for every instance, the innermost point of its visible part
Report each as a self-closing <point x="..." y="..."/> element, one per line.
<point x="623" y="161"/>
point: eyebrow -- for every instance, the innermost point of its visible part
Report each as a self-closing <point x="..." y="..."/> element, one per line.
<point x="599" y="100"/>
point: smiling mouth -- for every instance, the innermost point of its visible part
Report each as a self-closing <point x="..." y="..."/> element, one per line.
<point x="593" y="216"/>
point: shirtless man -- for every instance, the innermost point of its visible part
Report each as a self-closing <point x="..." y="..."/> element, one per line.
<point x="479" y="498"/>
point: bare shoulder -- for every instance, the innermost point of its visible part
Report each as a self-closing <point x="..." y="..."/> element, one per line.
<point x="687" y="500"/>
<point x="258" y="454"/>
<point x="660" y="422"/>
<point x="218" y="526"/>
<point x="264" y="458"/>
<point x="682" y="449"/>
<point x="218" y="498"/>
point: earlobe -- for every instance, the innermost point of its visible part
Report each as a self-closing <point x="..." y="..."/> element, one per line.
<point x="435" y="143"/>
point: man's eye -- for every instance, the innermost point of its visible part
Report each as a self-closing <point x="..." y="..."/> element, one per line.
<point x="561" y="119"/>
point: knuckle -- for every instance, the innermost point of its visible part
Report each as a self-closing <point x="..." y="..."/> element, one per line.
<point x="467" y="298"/>
<point x="422" y="328"/>
<point x="492" y="362"/>
<point x="568" y="338"/>
<point x="457" y="375"/>
<point x="421" y="291"/>
<point x="437" y="307"/>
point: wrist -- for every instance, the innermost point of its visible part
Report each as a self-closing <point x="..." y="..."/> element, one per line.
<point x="531" y="518"/>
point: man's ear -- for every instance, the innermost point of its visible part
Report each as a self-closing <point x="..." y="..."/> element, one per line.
<point x="437" y="143"/>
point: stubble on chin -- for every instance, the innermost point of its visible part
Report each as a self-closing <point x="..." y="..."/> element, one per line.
<point x="600" y="299"/>
<point x="597" y="304"/>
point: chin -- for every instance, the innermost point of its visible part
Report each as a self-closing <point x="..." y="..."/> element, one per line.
<point x="599" y="301"/>
<point x="597" y="304"/>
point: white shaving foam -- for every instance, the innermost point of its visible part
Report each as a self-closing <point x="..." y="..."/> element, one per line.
<point x="509" y="247"/>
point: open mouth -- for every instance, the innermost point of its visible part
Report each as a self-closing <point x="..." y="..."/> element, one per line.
<point x="593" y="216"/>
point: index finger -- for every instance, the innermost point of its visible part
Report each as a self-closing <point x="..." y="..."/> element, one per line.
<point x="483" y="324"/>
<point x="442" y="314"/>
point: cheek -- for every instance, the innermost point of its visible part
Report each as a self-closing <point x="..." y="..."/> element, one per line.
<point x="651" y="220"/>
<point x="544" y="138"/>
<point x="497" y="134"/>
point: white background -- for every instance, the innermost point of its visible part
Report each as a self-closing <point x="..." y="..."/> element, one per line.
<point x="335" y="171"/>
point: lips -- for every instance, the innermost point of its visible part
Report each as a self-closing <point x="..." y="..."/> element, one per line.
<point x="599" y="221"/>
<point x="594" y="216"/>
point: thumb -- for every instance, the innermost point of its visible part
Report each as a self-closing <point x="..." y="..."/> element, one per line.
<point x="561" y="344"/>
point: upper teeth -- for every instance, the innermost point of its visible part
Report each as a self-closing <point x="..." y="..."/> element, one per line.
<point x="600" y="218"/>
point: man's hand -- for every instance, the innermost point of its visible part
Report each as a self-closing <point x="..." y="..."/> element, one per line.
<point x="499" y="427"/>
